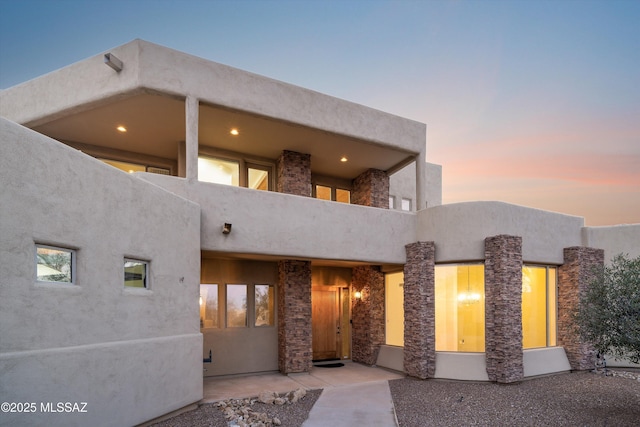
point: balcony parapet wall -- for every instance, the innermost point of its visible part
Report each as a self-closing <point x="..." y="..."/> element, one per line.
<point x="289" y="226"/>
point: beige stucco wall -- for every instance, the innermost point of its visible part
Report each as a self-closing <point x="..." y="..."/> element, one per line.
<point x="131" y="354"/>
<point x="148" y="66"/>
<point x="614" y="240"/>
<point x="289" y="226"/>
<point x="459" y="230"/>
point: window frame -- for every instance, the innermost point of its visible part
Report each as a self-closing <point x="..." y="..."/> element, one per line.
<point x="147" y="273"/>
<point x="72" y="267"/>
<point x="548" y="326"/>
<point x="244" y="164"/>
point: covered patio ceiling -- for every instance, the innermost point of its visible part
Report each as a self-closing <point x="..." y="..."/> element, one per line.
<point x="155" y="125"/>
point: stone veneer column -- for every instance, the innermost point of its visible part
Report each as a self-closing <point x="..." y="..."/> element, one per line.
<point x="371" y="188"/>
<point x="294" y="173"/>
<point x="503" y="308"/>
<point x="574" y="277"/>
<point x="294" y="316"/>
<point x="419" y="310"/>
<point x="367" y="314"/>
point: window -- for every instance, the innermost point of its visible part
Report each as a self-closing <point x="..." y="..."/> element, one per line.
<point x="406" y="204"/>
<point x="323" y="192"/>
<point x="539" y="309"/>
<point x="135" y="167"/>
<point x="209" y="306"/>
<point x="258" y="178"/>
<point x="392" y="202"/>
<point x="55" y="264"/>
<point x="343" y="196"/>
<point x="394" y="308"/>
<point x="459" y="307"/>
<point x="234" y="170"/>
<point x="136" y="273"/>
<point x="218" y="171"/>
<point x="264" y="298"/>
<point x="236" y="307"/>
<point x="332" y="193"/>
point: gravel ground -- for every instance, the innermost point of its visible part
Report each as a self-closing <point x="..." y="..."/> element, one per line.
<point x="577" y="399"/>
<point x="209" y="415"/>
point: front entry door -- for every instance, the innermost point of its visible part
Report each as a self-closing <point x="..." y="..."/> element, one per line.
<point x="329" y="325"/>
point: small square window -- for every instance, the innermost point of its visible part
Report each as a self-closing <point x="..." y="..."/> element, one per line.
<point x="136" y="273"/>
<point x="406" y="205"/>
<point x="54" y="264"/>
<point x="343" y="196"/>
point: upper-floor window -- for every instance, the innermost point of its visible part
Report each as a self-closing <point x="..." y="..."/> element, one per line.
<point x="130" y="167"/>
<point x="406" y="204"/>
<point x="54" y="264"/>
<point x="329" y="188"/>
<point x="235" y="171"/>
<point x="392" y="202"/>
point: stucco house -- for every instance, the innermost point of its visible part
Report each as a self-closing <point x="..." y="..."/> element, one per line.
<point x="164" y="217"/>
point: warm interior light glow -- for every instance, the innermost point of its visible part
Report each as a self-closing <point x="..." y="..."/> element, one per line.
<point x="200" y="300"/>
<point x="121" y="129"/>
<point x="343" y="159"/>
<point x="234" y="132"/>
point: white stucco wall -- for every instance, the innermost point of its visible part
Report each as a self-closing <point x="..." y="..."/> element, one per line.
<point x="131" y="354"/>
<point x="285" y="225"/>
<point x="459" y="230"/>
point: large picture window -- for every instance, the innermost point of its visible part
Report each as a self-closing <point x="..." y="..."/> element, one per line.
<point x="539" y="307"/>
<point x="459" y="307"/>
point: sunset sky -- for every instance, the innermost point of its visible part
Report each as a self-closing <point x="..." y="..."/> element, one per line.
<point x="529" y="102"/>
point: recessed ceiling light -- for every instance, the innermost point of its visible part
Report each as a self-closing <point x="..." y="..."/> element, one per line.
<point x="344" y="159"/>
<point x="234" y="132"/>
<point x="121" y="129"/>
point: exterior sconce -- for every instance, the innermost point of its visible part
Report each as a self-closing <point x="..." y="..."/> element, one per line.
<point x="226" y="228"/>
<point x="358" y="295"/>
<point x="200" y="300"/>
<point x="113" y="62"/>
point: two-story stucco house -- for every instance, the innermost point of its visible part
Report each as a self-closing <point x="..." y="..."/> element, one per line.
<point x="163" y="216"/>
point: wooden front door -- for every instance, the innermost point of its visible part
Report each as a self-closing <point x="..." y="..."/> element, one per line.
<point x="329" y="323"/>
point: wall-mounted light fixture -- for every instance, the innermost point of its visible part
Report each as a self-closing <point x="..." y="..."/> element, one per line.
<point x="226" y="228"/>
<point x="113" y="62"/>
<point x="200" y="300"/>
<point x="358" y="295"/>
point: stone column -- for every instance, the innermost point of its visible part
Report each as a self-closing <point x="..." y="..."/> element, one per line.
<point x="419" y="310"/>
<point x="367" y="314"/>
<point x="192" y="110"/>
<point x="294" y="316"/>
<point x="574" y="277"/>
<point x="371" y="188"/>
<point x="294" y="173"/>
<point x="503" y="308"/>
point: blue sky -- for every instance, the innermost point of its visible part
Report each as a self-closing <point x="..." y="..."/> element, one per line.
<point x="529" y="102"/>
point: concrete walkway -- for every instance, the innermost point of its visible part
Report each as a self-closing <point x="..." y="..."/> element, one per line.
<point x="352" y="395"/>
<point x="364" y="404"/>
